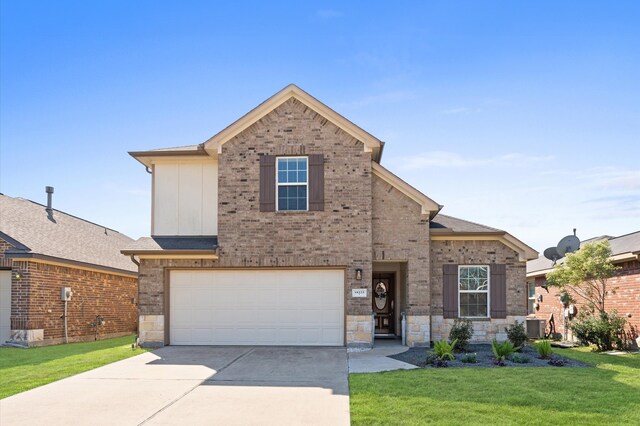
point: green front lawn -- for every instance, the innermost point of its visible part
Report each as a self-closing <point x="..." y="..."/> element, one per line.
<point x="24" y="369"/>
<point x="607" y="394"/>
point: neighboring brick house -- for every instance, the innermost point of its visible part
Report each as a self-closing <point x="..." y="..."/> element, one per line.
<point x="624" y="287"/>
<point x="43" y="250"/>
<point x="284" y="229"/>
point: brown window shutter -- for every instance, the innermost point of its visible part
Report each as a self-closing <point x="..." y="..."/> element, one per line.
<point x="316" y="182"/>
<point x="498" y="286"/>
<point x="450" y="290"/>
<point x="267" y="183"/>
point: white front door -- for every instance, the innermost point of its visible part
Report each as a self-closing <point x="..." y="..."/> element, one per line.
<point x="5" y="306"/>
<point x="257" y="307"/>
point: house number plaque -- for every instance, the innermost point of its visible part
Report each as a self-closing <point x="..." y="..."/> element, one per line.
<point x="359" y="292"/>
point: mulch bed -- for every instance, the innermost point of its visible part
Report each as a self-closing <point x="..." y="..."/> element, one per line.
<point x="484" y="357"/>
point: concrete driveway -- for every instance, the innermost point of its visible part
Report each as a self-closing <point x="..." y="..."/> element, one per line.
<point x="196" y="385"/>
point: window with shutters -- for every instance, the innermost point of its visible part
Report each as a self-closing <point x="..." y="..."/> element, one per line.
<point x="292" y="183"/>
<point x="473" y="291"/>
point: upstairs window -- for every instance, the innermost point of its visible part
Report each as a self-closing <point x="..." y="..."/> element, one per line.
<point x="292" y="183"/>
<point x="473" y="287"/>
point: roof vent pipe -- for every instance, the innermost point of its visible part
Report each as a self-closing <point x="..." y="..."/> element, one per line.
<point x="49" y="190"/>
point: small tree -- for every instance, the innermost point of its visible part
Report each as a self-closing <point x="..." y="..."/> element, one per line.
<point x="585" y="274"/>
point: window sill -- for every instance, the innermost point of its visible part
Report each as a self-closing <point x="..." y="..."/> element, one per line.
<point x="291" y="211"/>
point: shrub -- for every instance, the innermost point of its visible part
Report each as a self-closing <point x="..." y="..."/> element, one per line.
<point x="605" y="331"/>
<point x="520" y="358"/>
<point x="470" y="358"/>
<point x="436" y="362"/>
<point x="544" y="348"/>
<point x="461" y="331"/>
<point x="444" y="350"/>
<point x="516" y="334"/>
<point x="557" y="362"/>
<point x="503" y="350"/>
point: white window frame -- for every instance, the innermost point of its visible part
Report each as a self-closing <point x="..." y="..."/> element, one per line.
<point x="529" y="298"/>
<point x="278" y="184"/>
<point x="488" y="290"/>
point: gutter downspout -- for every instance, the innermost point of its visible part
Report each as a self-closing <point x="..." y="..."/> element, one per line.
<point x="133" y="259"/>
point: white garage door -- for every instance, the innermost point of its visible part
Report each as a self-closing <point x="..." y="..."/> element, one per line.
<point x="262" y="307"/>
<point x="5" y="306"/>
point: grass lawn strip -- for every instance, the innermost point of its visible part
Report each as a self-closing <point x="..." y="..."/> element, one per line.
<point x="609" y="393"/>
<point x="24" y="369"/>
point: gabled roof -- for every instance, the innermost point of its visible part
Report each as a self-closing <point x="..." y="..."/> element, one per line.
<point x="213" y="145"/>
<point x="445" y="227"/>
<point x="624" y="247"/>
<point x="428" y="206"/>
<point x="371" y="143"/>
<point x="62" y="239"/>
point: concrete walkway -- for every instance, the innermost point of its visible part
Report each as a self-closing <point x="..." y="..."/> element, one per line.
<point x="377" y="360"/>
<point x="196" y="385"/>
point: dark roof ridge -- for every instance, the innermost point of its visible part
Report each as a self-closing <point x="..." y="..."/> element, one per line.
<point x="468" y="221"/>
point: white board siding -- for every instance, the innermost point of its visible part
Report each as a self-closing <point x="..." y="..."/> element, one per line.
<point x="185" y="198"/>
<point x="262" y="307"/>
<point x="5" y="306"/>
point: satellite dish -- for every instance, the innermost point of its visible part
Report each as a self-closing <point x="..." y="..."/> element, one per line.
<point x="568" y="244"/>
<point x="552" y="254"/>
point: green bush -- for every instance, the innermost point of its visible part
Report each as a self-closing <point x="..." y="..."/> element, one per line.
<point x="544" y="348"/>
<point x="461" y="331"/>
<point x="503" y="350"/>
<point x="444" y="350"/>
<point x="516" y="334"/>
<point x="469" y="358"/>
<point x="605" y="331"/>
<point x="520" y="358"/>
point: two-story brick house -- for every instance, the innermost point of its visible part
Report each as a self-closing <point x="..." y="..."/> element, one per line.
<point x="284" y="229"/>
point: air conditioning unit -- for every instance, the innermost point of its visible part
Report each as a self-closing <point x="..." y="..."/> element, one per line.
<point x="535" y="328"/>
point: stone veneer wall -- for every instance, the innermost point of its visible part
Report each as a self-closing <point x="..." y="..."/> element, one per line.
<point x="478" y="252"/>
<point x="338" y="236"/>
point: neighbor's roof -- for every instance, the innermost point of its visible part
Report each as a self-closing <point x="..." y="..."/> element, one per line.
<point x="622" y="248"/>
<point x="67" y="239"/>
<point x="448" y="227"/>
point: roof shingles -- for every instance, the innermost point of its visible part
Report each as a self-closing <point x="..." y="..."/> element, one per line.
<point x="65" y="237"/>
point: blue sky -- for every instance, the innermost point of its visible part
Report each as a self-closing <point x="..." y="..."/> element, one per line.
<point x="520" y="115"/>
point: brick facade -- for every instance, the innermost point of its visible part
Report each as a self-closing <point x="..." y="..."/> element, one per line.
<point x="338" y="236"/>
<point x="624" y="297"/>
<point x="365" y="221"/>
<point x="36" y="308"/>
<point x="478" y="252"/>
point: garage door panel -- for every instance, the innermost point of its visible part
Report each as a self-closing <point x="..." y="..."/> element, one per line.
<point x="257" y="307"/>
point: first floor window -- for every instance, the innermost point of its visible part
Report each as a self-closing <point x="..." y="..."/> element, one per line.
<point x="473" y="291"/>
<point x="292" y="183"/>
<point x="531" y="297"/>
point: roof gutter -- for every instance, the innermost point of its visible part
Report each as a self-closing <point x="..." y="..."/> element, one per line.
<point x="20" y="255"/>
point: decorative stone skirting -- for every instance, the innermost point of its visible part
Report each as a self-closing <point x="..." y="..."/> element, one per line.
<point x="27" y="337"/>
<point x="484" y="331"/>
<point x="151" y="330"/>
<point x="417" y="330"/>
<point x="359" y="331"/>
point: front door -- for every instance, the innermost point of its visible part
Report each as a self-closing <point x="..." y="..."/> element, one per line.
<point x="383" y="291"/>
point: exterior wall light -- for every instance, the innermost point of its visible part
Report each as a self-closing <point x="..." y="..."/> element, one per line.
<point x="359" y="274"/>
<point x="17" y="275"/>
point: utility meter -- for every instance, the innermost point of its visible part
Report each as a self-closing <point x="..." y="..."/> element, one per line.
<point x="66" y="293"/>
